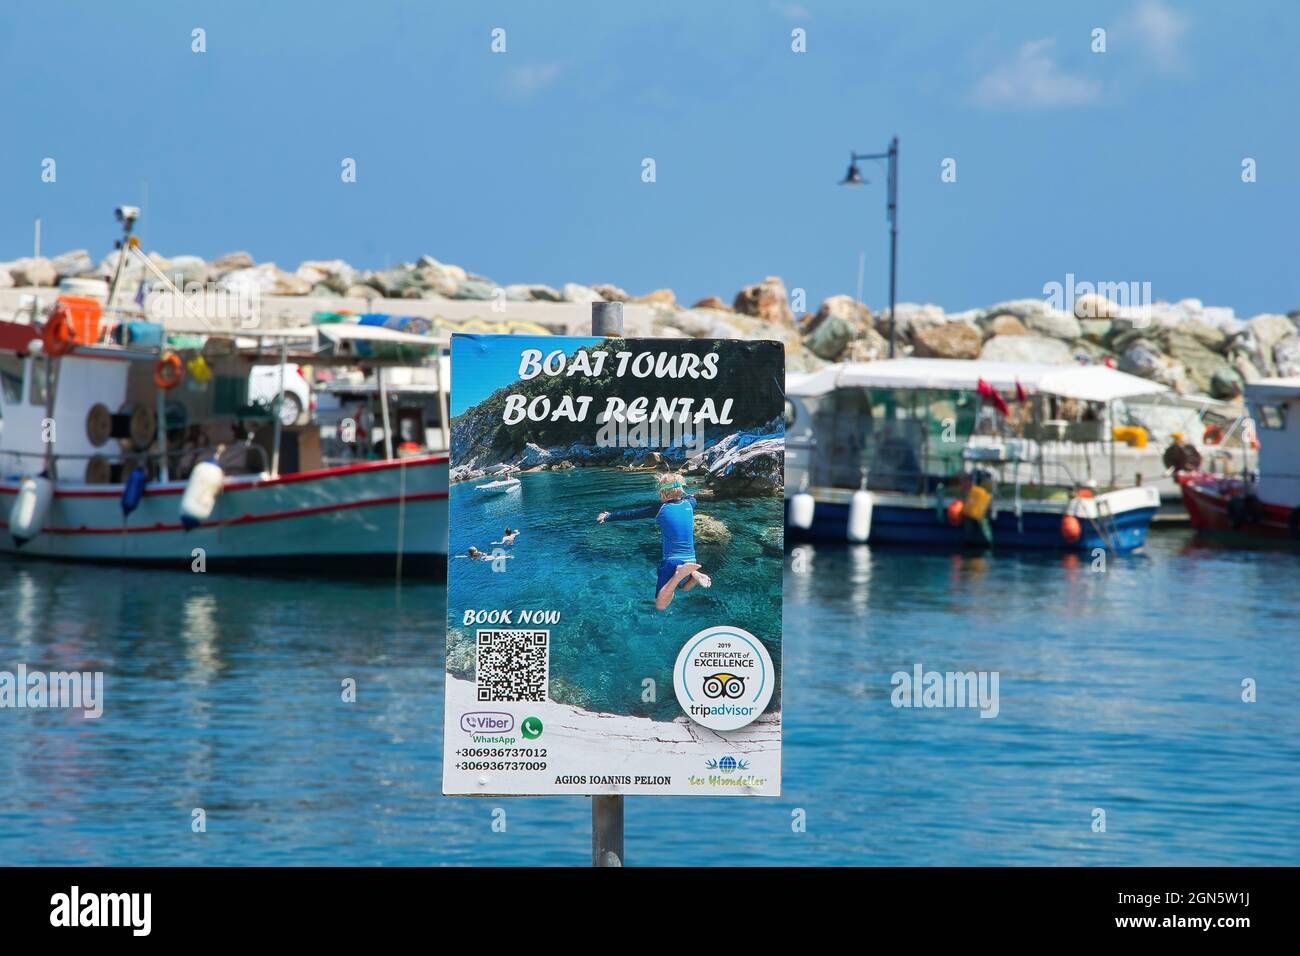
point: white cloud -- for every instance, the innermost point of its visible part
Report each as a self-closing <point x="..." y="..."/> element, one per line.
<point x="1034" y="80"/>
<point x="526" y="81"/>
<point x="1160" y="31"/>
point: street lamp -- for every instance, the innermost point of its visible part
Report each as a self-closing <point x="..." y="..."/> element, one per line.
<point x="854" y="177"/>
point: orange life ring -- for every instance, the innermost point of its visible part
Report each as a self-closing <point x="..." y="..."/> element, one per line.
<point x="58" y="337"/>
<point x="168" y="380"/>
<point x="1213" y="435"/>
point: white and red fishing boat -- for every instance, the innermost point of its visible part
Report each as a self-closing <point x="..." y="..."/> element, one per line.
<point x="1259" y="506"/>
<point x="119" y="452"/>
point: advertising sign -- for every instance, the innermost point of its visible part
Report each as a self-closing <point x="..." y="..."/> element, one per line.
<point x="614" y="566"/>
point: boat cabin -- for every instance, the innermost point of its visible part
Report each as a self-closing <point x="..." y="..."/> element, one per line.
<point x="910" y="425"/>
<point x="1274" y="406"/>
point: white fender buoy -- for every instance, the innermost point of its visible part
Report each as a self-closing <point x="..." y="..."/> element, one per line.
<point x="860" y="516"/>
<point x="802" y="507"/>
<point x="31" y="505"/>
<point x="201" y="493"/>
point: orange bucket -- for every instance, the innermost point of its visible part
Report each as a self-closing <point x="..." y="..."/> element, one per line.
<point x="83" y="314"/>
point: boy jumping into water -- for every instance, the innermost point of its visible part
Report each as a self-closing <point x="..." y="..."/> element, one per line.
<point x="675" y="514"/>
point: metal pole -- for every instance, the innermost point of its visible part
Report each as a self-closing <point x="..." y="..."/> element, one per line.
<point x="893" y="238"/>
<point x="36" y="247"/>
<point x="383" y="409"/>
<point x="279" y="404"/>
<point x="607" y="810"/>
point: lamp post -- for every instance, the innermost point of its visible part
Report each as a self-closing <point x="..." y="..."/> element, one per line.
<point x="854" y="177"/>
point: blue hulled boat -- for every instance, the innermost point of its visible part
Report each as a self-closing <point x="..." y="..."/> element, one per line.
<point x="950" y="453"/>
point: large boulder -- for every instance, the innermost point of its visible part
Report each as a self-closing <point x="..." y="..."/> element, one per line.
<point x="535" y="292"/>
<point x="911" y="318"/>
<point x="229" y="263"/>
<point x="1026" y="348"/>
<point x="573" y="292"/>
<point x="744" y="464"/>
<point x="1208" y="335"/>
<point x="870" y="347"/>
<point x="1263" y="333"/>
<point x="711" y="531"/>
<point x="33" y="271"/>
<point x="1054" y="324"/>
<point x="451" y="272"/>
<point x="1004" y="323"/>
<point x="1202" y="363"/>
<point x="839" y="321"/>
<point x="264" y="279"/>
<point x="712" y="302"/>
<point x="1227" y="383"/>
<point x="952" y="340"/>
<point x="478" y="289"/>
<point x="74" y="263"/>
<point x="534" y="455"/>
<point x="1093" y="306"/>
<point x="1286" y="356"/>
<point x="334" y="274"/>
<point x="611" y="293"/>
<point x="767" y="301"/>
<point x="1143" y="358"/>
<point x="657" y="297"/>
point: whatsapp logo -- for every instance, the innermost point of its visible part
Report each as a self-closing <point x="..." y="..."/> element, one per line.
<point x="531" y="728"/>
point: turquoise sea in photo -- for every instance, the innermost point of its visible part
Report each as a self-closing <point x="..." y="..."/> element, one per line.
<point x="601" y="577"/>
<point x="1118" y="690"/>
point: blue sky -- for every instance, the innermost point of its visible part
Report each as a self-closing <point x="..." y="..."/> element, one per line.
<point x="526" y="165"/>
<point x="483" y="363"/>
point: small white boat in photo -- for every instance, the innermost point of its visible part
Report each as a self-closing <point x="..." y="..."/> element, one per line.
<point x="499" y="486"/>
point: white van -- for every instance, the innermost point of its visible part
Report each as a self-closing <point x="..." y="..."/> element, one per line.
<point x="264" y="386"/>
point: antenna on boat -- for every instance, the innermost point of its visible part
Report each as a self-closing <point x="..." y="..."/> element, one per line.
<point x="607" y="809"/>
<point x="126" y="215"/>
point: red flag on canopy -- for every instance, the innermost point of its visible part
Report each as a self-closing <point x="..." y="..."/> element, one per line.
<point x="989" y="393"/>
<point x="1021" y="396"/>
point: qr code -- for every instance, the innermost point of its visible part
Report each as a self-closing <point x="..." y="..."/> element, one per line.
<point x="513" y="665"/>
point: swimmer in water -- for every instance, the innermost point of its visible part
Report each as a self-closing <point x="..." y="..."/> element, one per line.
<point x="675" y="513"/>
<point x="508" y="537"/>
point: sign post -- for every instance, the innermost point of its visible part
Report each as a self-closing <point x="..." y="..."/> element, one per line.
<point x="607" y="811"/>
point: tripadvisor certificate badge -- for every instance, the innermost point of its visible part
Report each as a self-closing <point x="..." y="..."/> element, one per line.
<point x="723" y="678"/>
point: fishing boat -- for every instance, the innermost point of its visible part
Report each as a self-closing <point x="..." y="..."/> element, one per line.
<point x="117" y="450"/>
<point x="954" y="453"/>
<point x="1255" y="505"/>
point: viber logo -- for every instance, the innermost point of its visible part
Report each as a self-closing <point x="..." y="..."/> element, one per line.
<point x="483" y="722"/>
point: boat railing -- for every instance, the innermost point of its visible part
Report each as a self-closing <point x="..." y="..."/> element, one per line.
<point x="121" y="457"/>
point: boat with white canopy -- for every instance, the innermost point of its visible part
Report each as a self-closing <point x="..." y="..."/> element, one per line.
<point x="958" y="453"/>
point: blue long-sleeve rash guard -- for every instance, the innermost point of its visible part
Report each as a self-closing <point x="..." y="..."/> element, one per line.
<point x="676" y="525"/>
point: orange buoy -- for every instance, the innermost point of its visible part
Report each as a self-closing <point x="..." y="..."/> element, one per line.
<point x="1085" y="493"/>
<point x="1213" y="435"/>
<point x="1071" y="530"/>
<point x="955" y="511"/>
<point x="169" y="371"/>
<point x="58" y="337"/>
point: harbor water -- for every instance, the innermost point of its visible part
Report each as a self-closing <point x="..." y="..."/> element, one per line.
<point x="1119" y="691"/>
